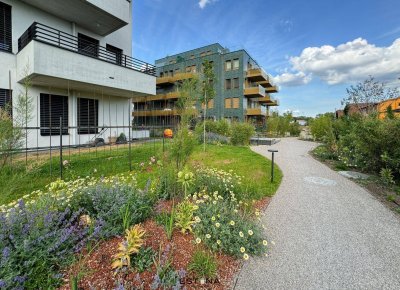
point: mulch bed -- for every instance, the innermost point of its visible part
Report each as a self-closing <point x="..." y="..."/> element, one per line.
<point x="98" y="273"/>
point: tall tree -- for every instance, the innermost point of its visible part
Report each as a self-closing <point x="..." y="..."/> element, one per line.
<point x="368" y="93"/>
<point x="208" y="92"/>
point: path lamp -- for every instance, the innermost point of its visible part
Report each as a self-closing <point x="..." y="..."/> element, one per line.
<point x="273" y="151"/>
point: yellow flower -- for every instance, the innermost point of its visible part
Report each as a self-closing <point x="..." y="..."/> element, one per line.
<point x="218" y="242"/>
<point x="250" y="232"/>
<point x="197" y="219"/>
<point x="242" y="249"/>
<point x="198" y="241"/>
<point x="241" y="234"/>
<point x="257" y="213"/>
<point x="232" y="223"/>
<point x="217" y="225"/>
<point x="213" y="218"/>
<point x="265" y="242"/>
<point x="208" y="236"/>
<point x="245" y="256"/>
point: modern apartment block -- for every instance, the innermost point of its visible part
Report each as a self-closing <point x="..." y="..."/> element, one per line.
<point x="243" y="89"/>
<point x="77" y="55"/>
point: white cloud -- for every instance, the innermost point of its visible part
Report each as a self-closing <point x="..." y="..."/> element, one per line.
<point x="348" y="62"/>
<point x="204" y="3"/>
<point x="292" y="79"/>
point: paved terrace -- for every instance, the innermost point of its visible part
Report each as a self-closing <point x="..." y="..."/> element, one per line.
<point x="329" y="233"/>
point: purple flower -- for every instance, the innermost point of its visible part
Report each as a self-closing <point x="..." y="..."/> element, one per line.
<point x="3" y="284"/>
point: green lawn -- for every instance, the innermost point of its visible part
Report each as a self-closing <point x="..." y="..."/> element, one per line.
<point x="17" y="181"/>
<point x="255" y="168"/>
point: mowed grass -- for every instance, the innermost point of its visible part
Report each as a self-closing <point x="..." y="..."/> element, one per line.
<point x="19" y="180"/>
<point x="255" y="168"/>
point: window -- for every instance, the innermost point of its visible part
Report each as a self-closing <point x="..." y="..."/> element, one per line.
<point x="188" y="69"/>
<point x="114" y="54"/>
<point x="209" y="52"/>
<point x="88" y="45"/>
<point x="171" y="73"/>
<point x="228" y="65"/>
<point x="236" y="64"/>
<point x="192" y="56"/>
<point x="203" y="54"/>
<point x="52" y="108"/>
<point x="5" y="100"/>
<point x="228" y="103"/>
<point x="211" y="104"/>
<point x="235" y="103"/>
<point x="161" y="74"/>
<point x="236" y="83"/>
<point x="88" y="116"/>
<point x="5" y="27"/>
<point x="228" y="84"/>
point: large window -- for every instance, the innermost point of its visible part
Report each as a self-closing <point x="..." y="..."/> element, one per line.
<point x="88" y="116"/>
<point x="228" y="65"/>
<point x="5" y="100"/>
<point x="88" y="45"/>
<point x="236" y="64"/>
<point x="52" y="108"/>
<point x="114" y="54"/>
<point x="5" y="27"/>
<point x="236" y="83"/>
<point x="228" y="84"/>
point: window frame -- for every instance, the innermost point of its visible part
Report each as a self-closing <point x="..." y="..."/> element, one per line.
<point x="89" y="128"/>
<point x="228" y="84"/>
<point x="226" y="65"/>
<point x="117" y="53"/>
<point x="6" y="31"/>
<point x="49" y="117"/>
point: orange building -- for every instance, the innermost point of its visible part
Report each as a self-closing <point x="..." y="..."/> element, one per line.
<point x="383" y="106"/>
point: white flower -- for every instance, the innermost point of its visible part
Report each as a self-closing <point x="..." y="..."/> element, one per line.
<point x="217" y="225"/>
<point x="242" y="249"/>
<point x="241" y="234"/>
<point x="250" y="232"/>
<point x="208" y="236"/>
<point x="198" y="241"/>
<point x="245" y="256"/>
<point x="265" y="243"/>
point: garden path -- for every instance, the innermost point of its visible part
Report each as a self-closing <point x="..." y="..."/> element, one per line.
<point x="329" y="233"/>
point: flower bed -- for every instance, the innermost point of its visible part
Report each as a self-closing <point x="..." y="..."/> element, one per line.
<point x="107" y="233"/>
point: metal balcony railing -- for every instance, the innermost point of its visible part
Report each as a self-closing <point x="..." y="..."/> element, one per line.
<point x="57" y="38"/>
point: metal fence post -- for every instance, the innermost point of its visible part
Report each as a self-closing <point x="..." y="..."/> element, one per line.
<point x="61" y="157"/>
<point x="273" y="151"/>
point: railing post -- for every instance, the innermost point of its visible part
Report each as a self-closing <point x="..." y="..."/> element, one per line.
<point x="61" y="157"/>
<point x="273" y="151"/>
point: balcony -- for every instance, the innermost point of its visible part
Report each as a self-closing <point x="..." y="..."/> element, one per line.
<point x="155" y="113"/>
<point x="170" y="80"/>
<point x="254" y="92"/>
<point x="158" y="97"/>
<point x="60" y="60"/>
<point x="256" y="112"/>
<point x="183" y="76"/>
<point x="99" y="16"/>
<point x="272" y="89"/>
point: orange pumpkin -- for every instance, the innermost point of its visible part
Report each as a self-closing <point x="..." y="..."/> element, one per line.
<point x="168" y="133"/>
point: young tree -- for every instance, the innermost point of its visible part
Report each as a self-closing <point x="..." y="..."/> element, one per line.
<point x="13" y="119"/>
<point x="208" y="93"/>
<point x="369" y="92"/>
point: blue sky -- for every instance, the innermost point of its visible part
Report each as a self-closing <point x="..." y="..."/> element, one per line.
<point x="314" y="49"/>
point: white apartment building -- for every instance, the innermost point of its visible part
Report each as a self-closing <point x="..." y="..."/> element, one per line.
<point x="78" y="57"/>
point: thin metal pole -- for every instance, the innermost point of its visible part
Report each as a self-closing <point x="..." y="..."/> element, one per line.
<point x="163" y="136"/>
<point x="129" y="140"/>
<point x="272" y="167"/>
<point x="61" y="144"/>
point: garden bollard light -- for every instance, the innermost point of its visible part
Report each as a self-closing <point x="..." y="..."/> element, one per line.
<point x="273" y="151"/>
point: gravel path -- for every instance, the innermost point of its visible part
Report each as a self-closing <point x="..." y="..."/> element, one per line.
<point x="329" y="233"/>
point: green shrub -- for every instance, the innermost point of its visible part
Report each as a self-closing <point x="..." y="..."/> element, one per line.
<point x="182" y="147"/>
<point x="221" y="227"/>
<point x="241" y="133"/>
<point x="167" y="186"/>
<point x="167" y="220"/>
<point x="203" y="265"/>
<point x="143" y="260"/>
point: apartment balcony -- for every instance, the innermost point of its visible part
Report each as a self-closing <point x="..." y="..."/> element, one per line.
<point x="170" y="80"/>
<point x="52" y="58"/>
<point x="272" y="89"/>
<point x="155" y="113"/>
<point x="254" y="92"/>
<point x="158" y="97"/>
<point x="98" y="16"/>
<point x="256" y="112"/>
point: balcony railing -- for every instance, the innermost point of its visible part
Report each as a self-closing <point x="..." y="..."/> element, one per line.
<point x="57" y="38"/>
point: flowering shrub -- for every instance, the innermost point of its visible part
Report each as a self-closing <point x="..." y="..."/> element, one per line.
<point x="225" y="183"/>
<point x="36" y="244"/>
<point x="184" y="216"/>
<point x="221" y="227"/>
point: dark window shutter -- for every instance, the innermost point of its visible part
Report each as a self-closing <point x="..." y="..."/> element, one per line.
<point x="88" y="45"/>
<point x="114" y="54"/>
<point x="88" y="116"/>
<point x="5" y="27"/>
<point x="6" y="100"/>
<point x="52" y="107"/>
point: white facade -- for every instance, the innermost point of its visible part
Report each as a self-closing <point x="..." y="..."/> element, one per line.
<point x="56" y="66"/>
